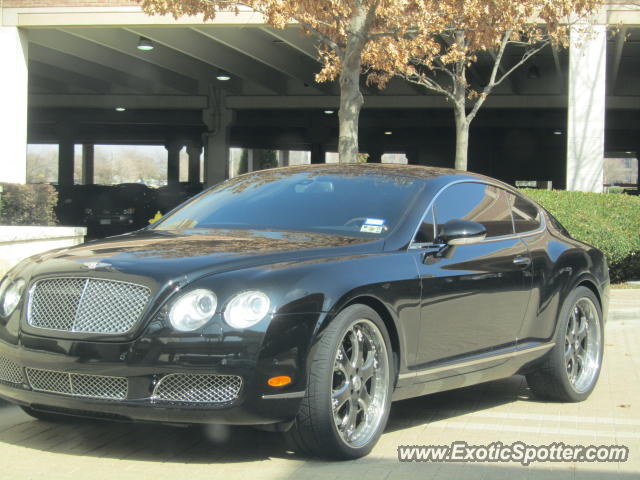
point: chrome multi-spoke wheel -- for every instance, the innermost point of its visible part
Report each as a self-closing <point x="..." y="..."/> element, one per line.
<point x="360" y="383"/>
<point x="582" y="344"/>
<point x="348" y="396"/>
<point x="569" y="372"/>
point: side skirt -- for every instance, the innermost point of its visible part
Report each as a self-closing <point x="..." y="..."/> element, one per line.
<point x="499" y="364"/>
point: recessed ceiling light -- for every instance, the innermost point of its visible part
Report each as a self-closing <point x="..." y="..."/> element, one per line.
<point x="329" y="112"/>
<point x="145" y="44"/>
<point x="223" y="76"/>
<point x="120" y="109"/>
<point x="557" y="132"/>
<point x="388" y="132"/>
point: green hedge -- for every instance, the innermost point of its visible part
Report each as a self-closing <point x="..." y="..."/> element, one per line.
<point x="27" y="204"/>
<point x="608" y="221"/>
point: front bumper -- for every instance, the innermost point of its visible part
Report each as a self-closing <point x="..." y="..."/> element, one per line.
<point x="252" y="411"/>
<point x="146" y="361"/>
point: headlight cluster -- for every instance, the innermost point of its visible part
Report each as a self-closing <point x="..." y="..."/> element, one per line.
<point x="194" y="309"/>
<point x="10" y="295"/>
<point x="246" y="309"/>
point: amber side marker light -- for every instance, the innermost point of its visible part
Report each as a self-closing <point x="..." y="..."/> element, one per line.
<point x="279" y="381"/>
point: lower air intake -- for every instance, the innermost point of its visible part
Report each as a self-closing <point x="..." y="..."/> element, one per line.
<point x="10" y="372"/>
<point x="198" y="388"/>
<point x="77" y="385"/>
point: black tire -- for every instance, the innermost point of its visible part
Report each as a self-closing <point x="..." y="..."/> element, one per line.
<point x="551" y="380"/>
<point x="314" y="431"/>
<point x="47" y="416"/>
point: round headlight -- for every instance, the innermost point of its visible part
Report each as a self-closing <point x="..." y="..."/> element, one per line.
<point x="12" y="296"/>
<point x="4" y="283"/>
<point x="247" y="309"/>
<point x="192" y="310"/>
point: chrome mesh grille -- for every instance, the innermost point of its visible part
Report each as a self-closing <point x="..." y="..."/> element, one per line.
<point x="10" y="371"/>
<point x="77" y="385"/>
<point x="198" y="388"/>
<point x="99" y="387"/>
<point x="86" y="305"/>
<point x="48" y="381"/>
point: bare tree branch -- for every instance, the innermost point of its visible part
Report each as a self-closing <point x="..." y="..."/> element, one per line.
<point x="492" y="78"/>
<point x="527" y="55"/>
<point x="428" y="83"/>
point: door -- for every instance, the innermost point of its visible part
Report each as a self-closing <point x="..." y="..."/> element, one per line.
<point x="474" y="297"/>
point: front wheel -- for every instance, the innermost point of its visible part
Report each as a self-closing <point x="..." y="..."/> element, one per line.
<point x="346" y="405"/>
<point x="571" y="369"/>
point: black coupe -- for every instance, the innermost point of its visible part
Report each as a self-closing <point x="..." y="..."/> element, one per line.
<point x="305" y="300"/>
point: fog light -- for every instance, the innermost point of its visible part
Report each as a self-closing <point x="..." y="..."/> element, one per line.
<point x="280" y="381"/>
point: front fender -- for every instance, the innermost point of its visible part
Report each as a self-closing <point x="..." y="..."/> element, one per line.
<point x="307" y="296"/>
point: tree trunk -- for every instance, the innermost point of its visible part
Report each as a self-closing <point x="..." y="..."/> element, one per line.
<point x="350" y="95"/>
<point x="460" y="107"/>
<point x="462" y="140"/>
<point x="349" y="114"/>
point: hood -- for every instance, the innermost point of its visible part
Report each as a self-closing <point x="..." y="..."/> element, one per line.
<point x="169" y="255"/>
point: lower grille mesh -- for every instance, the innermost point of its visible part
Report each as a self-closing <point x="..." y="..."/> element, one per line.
<point x="77" y="385"/>
<point x="195" y="388"/>
<point x="175" y="387"/>
<point x="10" y="372"/>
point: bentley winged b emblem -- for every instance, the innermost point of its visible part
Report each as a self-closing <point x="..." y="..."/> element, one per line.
<point x="95" y="265"/>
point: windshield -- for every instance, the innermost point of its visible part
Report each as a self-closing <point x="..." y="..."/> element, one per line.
<point x="353" y="203"/>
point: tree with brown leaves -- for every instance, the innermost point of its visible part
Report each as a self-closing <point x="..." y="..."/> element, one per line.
<point x="450" y="35"/>
<point x="347" y="31"/>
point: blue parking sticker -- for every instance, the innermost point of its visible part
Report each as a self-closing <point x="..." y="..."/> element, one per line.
<point x="377" y="222"/>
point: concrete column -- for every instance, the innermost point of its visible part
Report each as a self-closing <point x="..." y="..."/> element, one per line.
<point x="173" y="162"/>
<point x="194" y="151"/>
<point x="13" y="101"/>
<point x="87" y="164"/>
<point x="66" y="154"/>
<point x="317" y="153"/>
<point x="250" y="153"/>
<point x="216" y="144"/>
<point x="586" y="109"/>
<point x="284" y="158"/>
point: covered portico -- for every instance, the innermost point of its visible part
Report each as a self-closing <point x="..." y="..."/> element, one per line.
<point x="86" y="75"/>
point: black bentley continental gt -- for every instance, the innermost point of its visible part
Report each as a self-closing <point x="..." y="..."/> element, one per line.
<point x="305" y="300"/>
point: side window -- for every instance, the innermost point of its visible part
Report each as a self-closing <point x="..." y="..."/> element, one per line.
<point x="476" y="202"/>
<point x="426" y="233"/>
<point x="526" y="216"/>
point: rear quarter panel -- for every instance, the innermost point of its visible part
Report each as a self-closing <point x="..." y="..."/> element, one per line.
<point x="560" y="264"/>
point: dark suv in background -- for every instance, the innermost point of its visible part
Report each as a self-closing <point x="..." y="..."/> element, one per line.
<point x="108" y="210"/>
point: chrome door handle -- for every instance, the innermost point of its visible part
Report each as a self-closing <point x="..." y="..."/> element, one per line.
<point x="522" y="261"/>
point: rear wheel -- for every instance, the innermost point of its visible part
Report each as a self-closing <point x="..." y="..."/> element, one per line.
<point x="571" y="369"/>
<point x="346" y="405"/>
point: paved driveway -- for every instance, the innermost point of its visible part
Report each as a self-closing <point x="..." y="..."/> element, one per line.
<point x="497" y="411"/>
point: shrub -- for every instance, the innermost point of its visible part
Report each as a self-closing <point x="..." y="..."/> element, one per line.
<point x="608" y="221"/>
<point x="27" y="204"/>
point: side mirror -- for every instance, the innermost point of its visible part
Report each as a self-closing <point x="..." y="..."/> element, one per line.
<point x="462" y="232"/>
